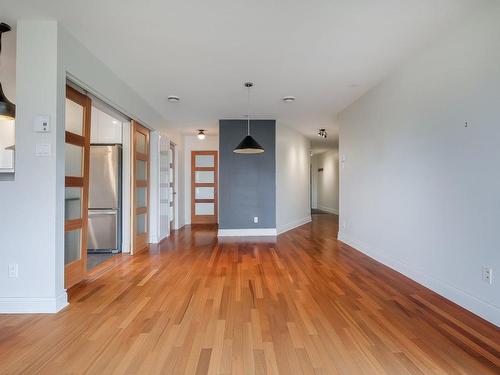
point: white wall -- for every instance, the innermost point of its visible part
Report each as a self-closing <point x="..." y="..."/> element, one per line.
<point x="292" y="178"/>
<point x="325" y="184"/>
<point x="419" y="191"/>
<point x="192" y="143"/>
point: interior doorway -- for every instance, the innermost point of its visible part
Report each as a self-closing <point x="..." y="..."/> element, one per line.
<point x="324" y="177"/>
<point x="204" y="187"/>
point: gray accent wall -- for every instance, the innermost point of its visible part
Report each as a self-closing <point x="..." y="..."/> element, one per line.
<point x="247" y="183"/>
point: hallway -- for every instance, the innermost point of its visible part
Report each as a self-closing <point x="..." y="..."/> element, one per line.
<point x="301" y="304"/>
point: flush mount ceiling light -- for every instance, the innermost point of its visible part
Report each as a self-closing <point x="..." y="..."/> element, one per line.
<point x="248" y="145"/>
<point x="322" y="133"/>
<point x="173" y="99"/>
<point x="201" y="134"/>
<point x="289" y="99"/>
<point x="7" y="108"/>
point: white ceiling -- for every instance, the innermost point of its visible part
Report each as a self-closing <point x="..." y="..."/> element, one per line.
<point x="326" y="53"/>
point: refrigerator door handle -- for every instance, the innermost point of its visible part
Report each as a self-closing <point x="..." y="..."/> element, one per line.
<point x="102" y="212"/>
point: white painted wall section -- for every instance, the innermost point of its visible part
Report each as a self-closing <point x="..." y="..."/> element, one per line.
<point x="419" y="190"/>
<point x="292" y="179"/>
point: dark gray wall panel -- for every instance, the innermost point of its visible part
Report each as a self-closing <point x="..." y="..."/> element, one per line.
<point x="247" y="183"/>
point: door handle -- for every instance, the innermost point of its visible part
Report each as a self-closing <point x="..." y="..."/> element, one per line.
<point x="95" y="213"/>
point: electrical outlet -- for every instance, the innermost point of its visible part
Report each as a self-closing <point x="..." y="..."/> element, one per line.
<point x="344" y="224"/>
<point x="13" y="270"/>
<point x="256" y="219"/>
<point x="488" y="274"/>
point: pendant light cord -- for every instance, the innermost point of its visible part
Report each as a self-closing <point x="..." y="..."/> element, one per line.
<point x="248" y="112"/>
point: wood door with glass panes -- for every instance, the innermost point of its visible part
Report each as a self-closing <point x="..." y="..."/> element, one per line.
<point x="204" y="166"/>
<point x="77" y="151"/>
<point x="140" y="187"/>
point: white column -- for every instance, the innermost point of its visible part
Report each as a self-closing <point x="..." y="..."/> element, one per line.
<point x="32" y="206"/>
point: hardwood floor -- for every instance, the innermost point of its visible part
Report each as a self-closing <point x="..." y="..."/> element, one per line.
<point x="303" y="304"/>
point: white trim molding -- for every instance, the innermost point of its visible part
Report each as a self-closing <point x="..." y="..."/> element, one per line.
<point x="481" y="308"/>
<point x="33" y="305"/>
<point x="294" y="224"/>
<point x="247" y="232"/>
<point x="328" y="209"/>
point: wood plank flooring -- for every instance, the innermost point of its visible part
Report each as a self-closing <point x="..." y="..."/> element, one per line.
<point x="301" y="304"/>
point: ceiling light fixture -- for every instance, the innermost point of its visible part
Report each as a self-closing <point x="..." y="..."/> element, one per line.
<point x="248" y="145"/>
<point x="289" y="99"/>
<point x="173" y="99"/>
<point x="7" y="108"/>
<point x="322" y="133"/>
<point x="201" y="134"/>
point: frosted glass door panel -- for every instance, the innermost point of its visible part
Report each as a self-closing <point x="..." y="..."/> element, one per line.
<point x="73" y="203"/>
<point x="141" y="224"/>
<point x="204" y="177"/>
<point x="74" y="160"/>
<point x="204" y="193"/>
<point x="72" y="246"/>
<point x="205" y="161"/>
<point x="204" y="208"/>
<point x="74" y="117"/>
<point x="142" y="194"/>
<point x="141" y="169"/>
<point x="140" y="143"/>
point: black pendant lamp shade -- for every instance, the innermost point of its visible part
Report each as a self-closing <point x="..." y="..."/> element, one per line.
<point x="7" y="108"/>
<point x="248" y="145"/>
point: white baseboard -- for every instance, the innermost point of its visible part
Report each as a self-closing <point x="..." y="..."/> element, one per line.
<point x="294" y="224"/>
<point x="481" y="308"/>
<point x="247" y="232"/>
<point x="328" y="209"/>
<point x="33" y="305"/>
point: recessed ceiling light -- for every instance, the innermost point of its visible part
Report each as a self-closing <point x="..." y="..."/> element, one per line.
<point x="289" y="99"/>
<point x="201" y="134"/>
<point x="173" y="99"/>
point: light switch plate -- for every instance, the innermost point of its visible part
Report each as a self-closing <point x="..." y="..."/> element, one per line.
<point x="43" y="149"/>
<point x="41" y="124"/>
<point x="13" y="270"/>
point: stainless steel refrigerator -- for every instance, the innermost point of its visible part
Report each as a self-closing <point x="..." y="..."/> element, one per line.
<point x="104" y="232"/>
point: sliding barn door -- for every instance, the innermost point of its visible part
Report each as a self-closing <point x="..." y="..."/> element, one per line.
<point x="140" y="194"/>
<point x="78" y="109"/>
<point x="204" y="187"/>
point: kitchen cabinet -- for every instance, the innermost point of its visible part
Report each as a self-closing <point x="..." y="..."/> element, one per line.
<point x="105" y="128"/>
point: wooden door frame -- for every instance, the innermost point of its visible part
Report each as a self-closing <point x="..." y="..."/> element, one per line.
<point x="205" y="219"/>
<point x="140" y="242"/>
<point x="76" y="271"/>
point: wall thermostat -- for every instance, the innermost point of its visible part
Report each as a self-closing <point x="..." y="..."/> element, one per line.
<point x="41" y="124"/>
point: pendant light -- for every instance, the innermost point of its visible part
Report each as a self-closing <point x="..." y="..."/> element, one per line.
<point x="7" y="108"/>
<point x="248" y="145"/>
